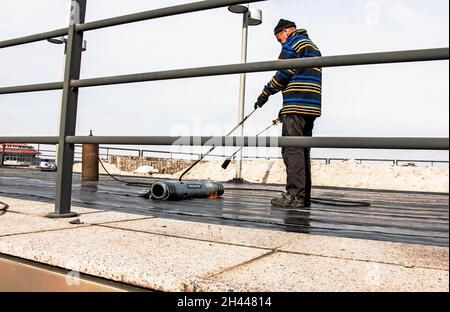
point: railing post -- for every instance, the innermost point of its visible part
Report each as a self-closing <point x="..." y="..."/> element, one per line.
<point x="69" y="113"/>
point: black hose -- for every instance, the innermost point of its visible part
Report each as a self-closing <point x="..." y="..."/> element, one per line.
<point x="142" y="184"/>
<point x="3" y="209"/>
<point x="338" y="202"/>
<point x="317" y="200"/>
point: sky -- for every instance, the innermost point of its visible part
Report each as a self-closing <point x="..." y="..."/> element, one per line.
<point x="398" y="100"/>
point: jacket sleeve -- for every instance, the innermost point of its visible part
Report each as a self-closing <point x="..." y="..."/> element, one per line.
<point x="282" y="78"/>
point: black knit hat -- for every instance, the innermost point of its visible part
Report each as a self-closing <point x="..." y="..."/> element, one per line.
<point x="283" y="24"/>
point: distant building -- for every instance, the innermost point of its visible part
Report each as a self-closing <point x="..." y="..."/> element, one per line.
<point x="15" y="154"/>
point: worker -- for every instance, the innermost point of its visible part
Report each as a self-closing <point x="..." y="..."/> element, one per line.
<point x="302" y="99"/>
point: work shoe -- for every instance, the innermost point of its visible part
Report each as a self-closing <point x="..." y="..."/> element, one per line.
<point x="284" y="201"/>
<point x="299" y="203"/>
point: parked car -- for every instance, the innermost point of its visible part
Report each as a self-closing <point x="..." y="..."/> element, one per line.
<point x="47" y="165"/>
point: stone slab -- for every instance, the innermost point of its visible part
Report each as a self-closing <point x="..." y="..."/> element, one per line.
<point x="211" y="232"/>
<point x="151" y="261"/>
<point x="15" y="223"/>
<point x="299" y="273"/>
<point x="408" y="255"/>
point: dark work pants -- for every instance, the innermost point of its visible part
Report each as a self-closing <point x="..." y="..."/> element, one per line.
<point x="298" y="159"/>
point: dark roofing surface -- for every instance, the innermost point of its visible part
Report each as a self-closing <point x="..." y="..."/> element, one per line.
<point x="409" y="217"/>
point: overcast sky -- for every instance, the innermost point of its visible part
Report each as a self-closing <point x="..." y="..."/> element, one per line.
<point x="388" y="100"/>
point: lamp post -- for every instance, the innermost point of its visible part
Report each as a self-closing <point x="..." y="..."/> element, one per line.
<point x="251" y="17"/>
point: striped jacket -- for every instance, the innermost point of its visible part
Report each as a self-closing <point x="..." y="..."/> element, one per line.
<point x="302" y="88"/>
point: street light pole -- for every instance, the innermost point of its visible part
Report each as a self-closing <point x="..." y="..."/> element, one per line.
<point x="251" y="17"/>
<point x="241" y="111"/>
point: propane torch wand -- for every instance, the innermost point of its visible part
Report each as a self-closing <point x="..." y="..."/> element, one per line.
<point x="227" y="162"/>
<point x="214" y="146"/>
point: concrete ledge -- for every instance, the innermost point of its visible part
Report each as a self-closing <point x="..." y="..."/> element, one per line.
<point x="210" y="232"/>
<point x="16" y="224"/>
<point x="407" y="255"/>
<point x="299" y="273"/>
<point x="170" y="255"/>
<point x="151" y="261"/>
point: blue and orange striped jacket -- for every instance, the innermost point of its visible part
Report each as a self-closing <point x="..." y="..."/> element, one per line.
<point x="302" y="88"/>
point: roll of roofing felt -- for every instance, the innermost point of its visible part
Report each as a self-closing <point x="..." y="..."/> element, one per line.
<point x="174" y="190"/>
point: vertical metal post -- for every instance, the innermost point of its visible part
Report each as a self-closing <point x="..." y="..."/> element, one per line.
<point x="69" y="113"/>
<point x="242" y="91"/>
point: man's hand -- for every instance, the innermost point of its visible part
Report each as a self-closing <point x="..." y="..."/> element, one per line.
<point x="262" y="99"/>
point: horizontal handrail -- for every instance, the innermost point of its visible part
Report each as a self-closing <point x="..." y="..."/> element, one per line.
<point x="325" y="61"/>
<point x="125" y="19"/>
<point x="158" y="13"/>
<point x="32" y="88"/>
<point x="316" y="142"/>
<point x="34" y="38"/>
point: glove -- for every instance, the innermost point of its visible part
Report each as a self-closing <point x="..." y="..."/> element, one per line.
<point x="280" y="116"/>
<point x="262" y="99"/>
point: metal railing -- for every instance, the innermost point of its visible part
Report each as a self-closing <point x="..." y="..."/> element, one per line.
<point x="72" y="82"/>
<point x="105" y="152"/>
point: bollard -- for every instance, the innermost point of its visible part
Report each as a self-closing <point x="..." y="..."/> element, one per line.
<point x="90" y="162"/>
